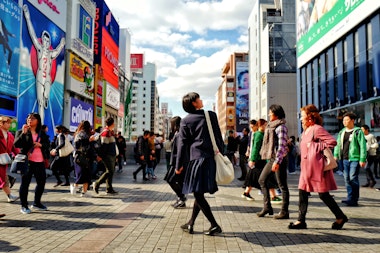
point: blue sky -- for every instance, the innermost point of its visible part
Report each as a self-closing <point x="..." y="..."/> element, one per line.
<point x="188" y="40"/>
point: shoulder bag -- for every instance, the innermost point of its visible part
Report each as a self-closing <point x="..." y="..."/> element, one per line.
<point x="224" y="168"/>
<point x="67" y="149"/>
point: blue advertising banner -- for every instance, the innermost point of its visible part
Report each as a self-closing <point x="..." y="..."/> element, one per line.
<point x="43" y="68"/>
<point x="242" y="96"/>
<point x="80" y="111"/>
<point x="10" y="16"/>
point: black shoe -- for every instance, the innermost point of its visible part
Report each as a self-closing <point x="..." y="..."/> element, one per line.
<point x="188" y="228"/>
<point x="134" y="176"/>
<point x="241" y="178"/>
<point x="301" y="225"/>
<point x="282" y="216"/>
<point x="263" y="212"/>
<point x="112" y="192"/>
<point x="180" y="204"/>
<point x="365" y="185"/>
<point x="12" y="181"/>
<point x="336" y="225"/>
<point x="65" y="184"/>
<point x="349" y="203"/>
<point x="58" y="184"/>
<point x="372" y="184"/>
<point x="145" y="179"/>
<point x="213" y="230"/>
<point x="95" y="187"/>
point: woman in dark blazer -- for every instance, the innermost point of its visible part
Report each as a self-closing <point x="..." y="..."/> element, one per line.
<point x="196" y="151"/>
<point x="34" y="143"/>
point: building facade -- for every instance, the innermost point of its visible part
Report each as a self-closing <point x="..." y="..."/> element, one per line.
<point x="145" y="100"/>
<point x="233" y="94"/>
<point x="338" y="55"/>
<point x="272" y="60"/>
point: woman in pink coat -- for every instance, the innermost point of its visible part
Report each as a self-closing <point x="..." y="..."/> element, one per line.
<point x="313" y="178"/>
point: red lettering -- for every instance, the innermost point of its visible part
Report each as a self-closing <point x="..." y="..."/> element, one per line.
<point x="50" y="5"/>
<point x="96" y="32"/>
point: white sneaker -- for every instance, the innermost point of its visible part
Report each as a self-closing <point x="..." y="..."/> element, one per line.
<point x="278" y="192"/>
<point x="12" y="198"/>
<point x="73" y="189"/>
<point x="85" y="195"/>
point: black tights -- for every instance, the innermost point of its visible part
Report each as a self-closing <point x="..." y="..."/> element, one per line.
<point x="201" y="203"/>
<point x="325" y="197"/>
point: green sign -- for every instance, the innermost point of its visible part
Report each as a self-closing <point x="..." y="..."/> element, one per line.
<point x="320" y="22"/>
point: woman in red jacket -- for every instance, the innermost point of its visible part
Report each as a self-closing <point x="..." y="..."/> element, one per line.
<point x="6" y="146"/>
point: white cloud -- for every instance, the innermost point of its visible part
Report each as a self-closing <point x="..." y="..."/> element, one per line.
<point x="188" y="40"/>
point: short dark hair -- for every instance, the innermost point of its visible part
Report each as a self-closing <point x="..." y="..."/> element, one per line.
<point x="366" y="127"/>
<point x="278" y="111"/>
<point x="253" y="122"/>
<point x="110" y="121"/>
<point x="351" y="115"/>
<point x="187" y="102"/>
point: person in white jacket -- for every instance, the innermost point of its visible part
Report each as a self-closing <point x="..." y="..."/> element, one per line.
<point x="372" y="146"/>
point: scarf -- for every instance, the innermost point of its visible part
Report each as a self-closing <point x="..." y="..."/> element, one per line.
<point x="268" y="147"/>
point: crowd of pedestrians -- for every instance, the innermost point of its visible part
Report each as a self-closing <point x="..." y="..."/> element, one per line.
<point x="266" y="156"/>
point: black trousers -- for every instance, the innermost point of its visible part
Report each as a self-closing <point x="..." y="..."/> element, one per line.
<point x="325" y="197"/>
<point x="243" y="165"/>
<point x="282" y="181"/>
<point x="370" y="160"/>
<point x="38" y="170"/>
<point x="143" y="168"/>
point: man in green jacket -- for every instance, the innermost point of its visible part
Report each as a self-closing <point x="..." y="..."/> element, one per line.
<point x="351" y="149"/>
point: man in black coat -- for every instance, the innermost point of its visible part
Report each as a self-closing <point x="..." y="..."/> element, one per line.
<point x="243" y="144"/>
<point x="142" y="153"/>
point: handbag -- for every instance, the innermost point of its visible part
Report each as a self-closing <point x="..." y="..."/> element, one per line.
<point x="20" y="164"/>
<point x="5" y="159"/>
<point x="67" y="149"/>
<point x="81" y="159"/>
<point x="224" y="168"/>
<point x="330" y="162"/>
<point x="328" y="157"/>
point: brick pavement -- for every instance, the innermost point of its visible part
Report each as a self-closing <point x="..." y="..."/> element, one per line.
<point x="141" y="219"/>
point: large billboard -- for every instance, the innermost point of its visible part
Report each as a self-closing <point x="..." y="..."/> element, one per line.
<point x="10" y="16"/>
<point x="104" y="21"/>
<point x="80" y="111"/>
<point x="42" y="67"/>
<point x="82" y="29"/>
<point x="137" y="62"/>
<point x="81" y="77"/>
<point x="110" y="59"/>
<point x="321" y="22"/>
<point x="242" y="96"/>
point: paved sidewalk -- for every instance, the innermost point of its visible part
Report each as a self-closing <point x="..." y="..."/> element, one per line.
<point x="141" y="219"/>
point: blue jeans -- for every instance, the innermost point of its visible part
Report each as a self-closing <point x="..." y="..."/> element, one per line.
<point x="351" y="180"/>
